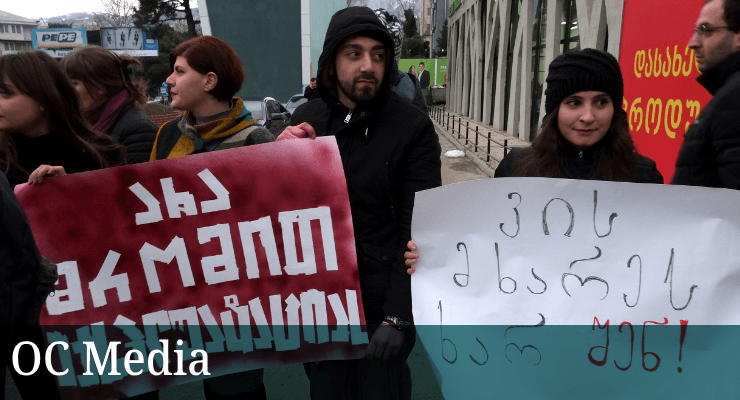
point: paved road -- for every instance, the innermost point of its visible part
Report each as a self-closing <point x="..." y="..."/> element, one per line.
<point x="290" y="382"/>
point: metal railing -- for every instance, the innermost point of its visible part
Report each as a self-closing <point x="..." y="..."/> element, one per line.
<point x="447" y="120"/>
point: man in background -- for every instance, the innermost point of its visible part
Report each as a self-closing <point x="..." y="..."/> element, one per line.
<point x="311" y="93"/>
<point x="423" y="76"/>
<point x="710" y="154"/>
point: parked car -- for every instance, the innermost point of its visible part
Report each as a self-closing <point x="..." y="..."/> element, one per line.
<point x="295" y="101"/>
<point x="268" y="112"/>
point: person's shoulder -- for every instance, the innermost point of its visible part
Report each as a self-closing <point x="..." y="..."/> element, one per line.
<point x="169" y="131"/>
<point x="505" y="168"/>
<point x="308" y="109"/>
<point x="727" y="95"/>
<point x="647" y="170"/>
<point x="398" y="104"/>
<point x="171" y="123"/>
<point x="129" y="111"/>
<point x="257" y="135"/>
<point x="132" y="119"/>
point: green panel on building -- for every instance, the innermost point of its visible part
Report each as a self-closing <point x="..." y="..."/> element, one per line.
<point x="267" y="36"/>
<point x="436" y="75"/>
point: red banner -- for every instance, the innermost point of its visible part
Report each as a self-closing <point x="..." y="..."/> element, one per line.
<point x="662" y="97"/>
<point x="247" y="254"/>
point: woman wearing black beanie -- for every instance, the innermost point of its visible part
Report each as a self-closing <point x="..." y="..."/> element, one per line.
<point x="584" y="134"/>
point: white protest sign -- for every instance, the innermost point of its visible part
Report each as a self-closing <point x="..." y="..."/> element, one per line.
<point x="503" y="262"/>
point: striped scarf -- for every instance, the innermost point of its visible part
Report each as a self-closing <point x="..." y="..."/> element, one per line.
<point x="195" y="137"/>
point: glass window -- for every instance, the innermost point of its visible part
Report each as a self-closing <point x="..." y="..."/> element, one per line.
<point x="538" y="61"/>
<point x="570" y="39"/>
<point x="13" y="27"/>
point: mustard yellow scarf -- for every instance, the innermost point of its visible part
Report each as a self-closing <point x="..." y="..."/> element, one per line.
<point x="238" y="119"/>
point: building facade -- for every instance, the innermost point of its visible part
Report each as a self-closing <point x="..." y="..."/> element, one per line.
<point x="279" y="44"/>
<point x="15" y="33"/>
<point x="439" y="12"/>
<point x="425" y="21"/>
<point x="499" y="50"/>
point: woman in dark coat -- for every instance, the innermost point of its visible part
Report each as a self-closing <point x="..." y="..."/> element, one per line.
<point x="111" y="100"/>
<point x="40" y="126"/>
<point x="42" y="130"/>
<point x="584" y="133"/>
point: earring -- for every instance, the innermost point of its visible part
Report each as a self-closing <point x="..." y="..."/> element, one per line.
<point x="41" y="108"/>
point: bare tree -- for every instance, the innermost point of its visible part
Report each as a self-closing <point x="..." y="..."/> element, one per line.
<point x="154" y="12"/>
<point x="398" y="7"/>
<point x="116" y="13"/>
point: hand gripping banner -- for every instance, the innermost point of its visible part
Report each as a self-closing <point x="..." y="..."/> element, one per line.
<point x="177" y="270"/>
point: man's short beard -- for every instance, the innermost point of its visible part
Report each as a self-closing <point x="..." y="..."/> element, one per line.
<point x="358" y="95"/>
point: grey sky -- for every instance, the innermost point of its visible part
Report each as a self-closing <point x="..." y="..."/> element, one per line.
<point x="50" y="8"/>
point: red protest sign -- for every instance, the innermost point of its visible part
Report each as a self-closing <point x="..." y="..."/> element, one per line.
<point x="662" y="97"/>
<point x="246" y="253"/>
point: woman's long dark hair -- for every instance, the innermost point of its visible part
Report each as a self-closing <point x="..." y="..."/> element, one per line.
<point x="617" y="160"/>
<point x="40" y="77"/>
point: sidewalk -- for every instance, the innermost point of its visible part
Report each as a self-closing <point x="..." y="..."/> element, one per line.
<point x="460" y="169"/>
<point x="456" y="133"/>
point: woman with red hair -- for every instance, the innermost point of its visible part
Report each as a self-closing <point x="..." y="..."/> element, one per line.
<point x="206" y="74"/>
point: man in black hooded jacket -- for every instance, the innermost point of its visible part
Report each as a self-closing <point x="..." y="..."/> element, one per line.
<point x="710" y="154"/>
<point x="390" y="151"/>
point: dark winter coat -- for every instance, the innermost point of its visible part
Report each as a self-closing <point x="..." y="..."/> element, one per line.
<point x="136" y="132"/>
<point x="581" y="165"/>
<point x="389" y="151"/>
<point x="710" y="154"/>
<point x="424" y="79"/>
<point x="310" y="94"/>
<point x="20" y="263"/>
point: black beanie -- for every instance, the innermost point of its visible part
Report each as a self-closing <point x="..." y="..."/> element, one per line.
<point x="580" y="71"/>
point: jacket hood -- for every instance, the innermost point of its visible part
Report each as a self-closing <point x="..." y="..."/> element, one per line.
<point x="714" y="79"/>
<point x="345" y="23"/>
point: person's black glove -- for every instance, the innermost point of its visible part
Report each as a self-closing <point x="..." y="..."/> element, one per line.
<point x="386" y="342"/>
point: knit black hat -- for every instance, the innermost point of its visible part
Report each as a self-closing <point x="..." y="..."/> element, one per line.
<point x="584" y="70"/>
